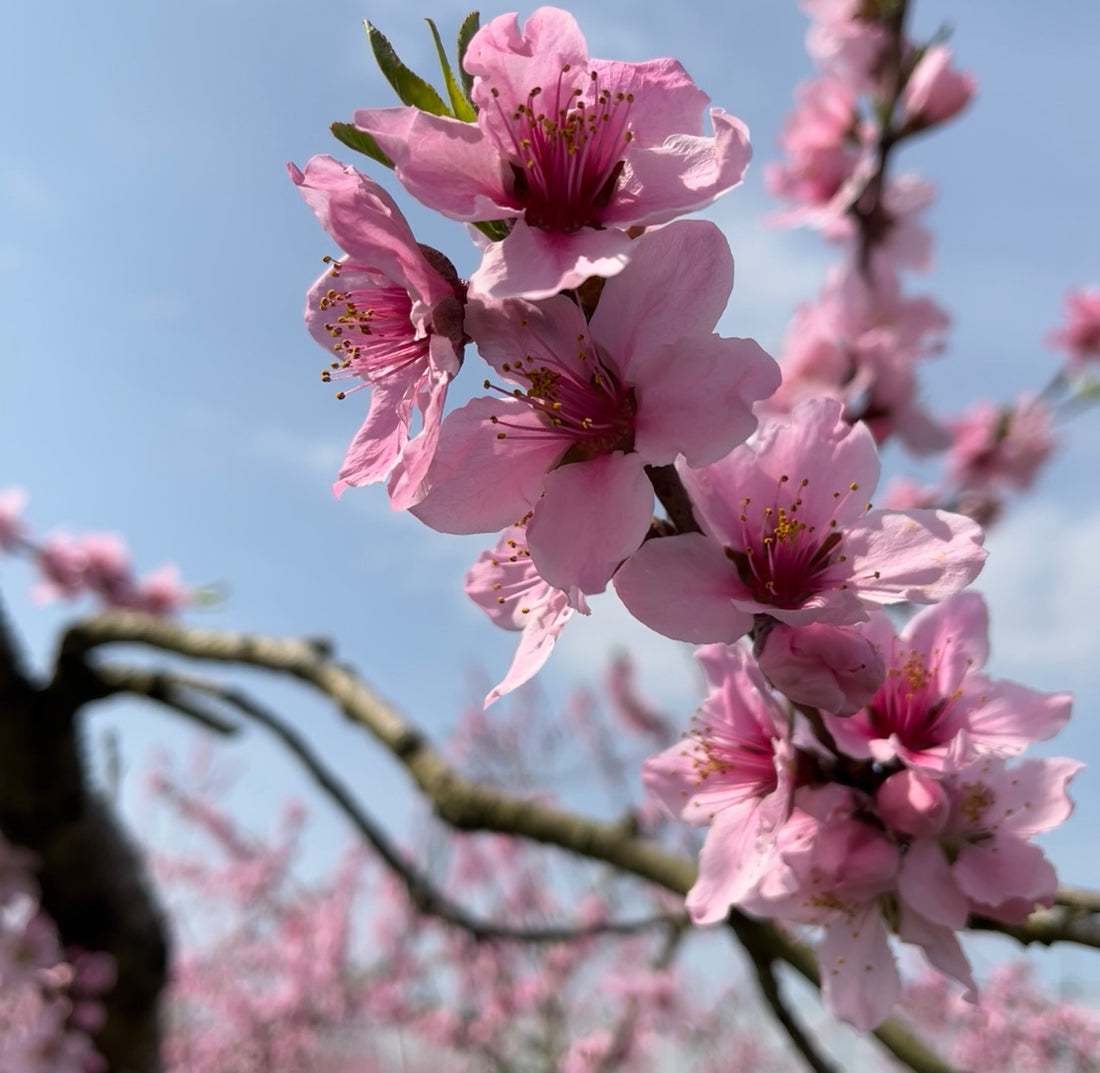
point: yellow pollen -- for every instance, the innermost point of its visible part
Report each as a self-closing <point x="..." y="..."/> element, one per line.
<point x="977" y="799"/>
<point x="787" y="528"/>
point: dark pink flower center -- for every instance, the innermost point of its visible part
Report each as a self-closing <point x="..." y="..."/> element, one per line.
<point x="567" y="149"/>
<point x="578" y="396"/>
<point x="371" y="327"/>
<point x="910" y="705"/>
<point x="781" y="557"/>
<point x="729" y="755"/>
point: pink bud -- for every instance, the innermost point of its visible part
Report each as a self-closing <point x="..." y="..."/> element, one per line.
<point x="935" y="91"/>
<point x="834" y="668"/>
<point x="913" y="803"/>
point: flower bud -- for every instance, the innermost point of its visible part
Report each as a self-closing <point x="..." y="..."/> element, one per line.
<point x="834" y="668"/>
<point x="913" y="803"/>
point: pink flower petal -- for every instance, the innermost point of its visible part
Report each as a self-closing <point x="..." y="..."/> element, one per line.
<point x="859" y="979"/>
<point x="919" y="556"/>
<point x="592" y="516"/>
<point x="681" y="586"/>
<point x="478" y="482"/>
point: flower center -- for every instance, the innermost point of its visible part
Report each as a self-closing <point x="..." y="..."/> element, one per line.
<point x="746" y="759"/>
<point x="578" y="397"/>
<point x="371" y="327"/>
<point x="567" y="152"/>
<point x="909" y="703"/>
<point x="782" y="558"/>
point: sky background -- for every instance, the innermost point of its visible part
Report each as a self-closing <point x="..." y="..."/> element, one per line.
<point x="158" y="381"/>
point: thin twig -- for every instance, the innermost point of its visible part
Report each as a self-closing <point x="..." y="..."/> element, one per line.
<point x="171" y="689"/>
<point x="763" y="961"/>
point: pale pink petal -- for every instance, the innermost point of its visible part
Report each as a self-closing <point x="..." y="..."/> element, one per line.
<point x="683" y="174"/>
<point x="406" y="485"/>
<point x="695" y="397"/>
<point x="732" y="859"/>
<point x="940" y="946"/>
<point x="1007" y="717"/>
<point x="998" y="868"/>
<point x="501" y="57"/>
<point x="1031" y="797"/>
<point x="920" y="556"/>
<point x="926" y="880"/>
<point x="593" y="515"/>
<point x="537" y="264"/>
<point x="681" y="586"/>
<point x="446" y="164"/>
<point x="380" y="439"/>
<point x="955" y="635"/>
<point x="479" y="483"/>
<point x="647" y="311"/>
<point x="366" y="222"/>
<point x="540" y="633"/>
<point x="859" y="979"/>
<point x="669" y="102"/>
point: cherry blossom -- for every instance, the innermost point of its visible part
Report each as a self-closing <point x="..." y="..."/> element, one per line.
<point x="788" y="533"/>
<point x="506" y="586"/>
<point x="1080" y="337"/>
<point x="390" y="313"/>
<point x="732" y="773"/>
<point x="572" y="151"/>
<point x="642" y="383"/>
<point x="934" y="691"/>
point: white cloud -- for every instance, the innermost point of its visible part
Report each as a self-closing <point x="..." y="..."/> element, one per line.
<point x="1042" y="581"/>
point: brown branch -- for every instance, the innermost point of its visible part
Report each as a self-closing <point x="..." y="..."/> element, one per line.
<point x="672" y="495"/>
<point x="171" y="689"/>
<point x="763" y="961"/>
<point x="460" y="802"/>
<point x="163" y="687"/>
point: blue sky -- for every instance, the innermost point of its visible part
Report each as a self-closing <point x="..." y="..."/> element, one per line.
<point x="158" y="381"/>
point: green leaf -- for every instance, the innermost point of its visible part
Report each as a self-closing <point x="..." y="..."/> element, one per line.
<point x="463" y="109"/>
<point x="495" y="230"/>
<point x="465" y="34"/>
<point x="410" y="88"/>
<point x="360" y="141"/>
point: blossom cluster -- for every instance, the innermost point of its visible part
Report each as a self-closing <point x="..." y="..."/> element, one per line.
<point x="851" y="777"/>
<point x="96" y="564"/>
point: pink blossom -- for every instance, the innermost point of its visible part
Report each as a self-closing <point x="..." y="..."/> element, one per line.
<point x="161" y="592"/>
<point x="788" y="533"/>
<point x="843" y="40"/>
<point x="1001" y="444"/>
<point x="859" y="343"/>
<point x="823" y="143"/>
<point x="983" y="860"/>
<point x="393" y="321"/>
<point x="935" y="91"/>
<point x="732" y="773"/>
<point x="835" y="868"/>
<point x="506" y="586"/>
<point x="934" y="692"/>
<point x="1080" y="337"/>
<point x="572" y="151"/>
<point x="640" y="384"/>
<point x="60" y="559"/>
